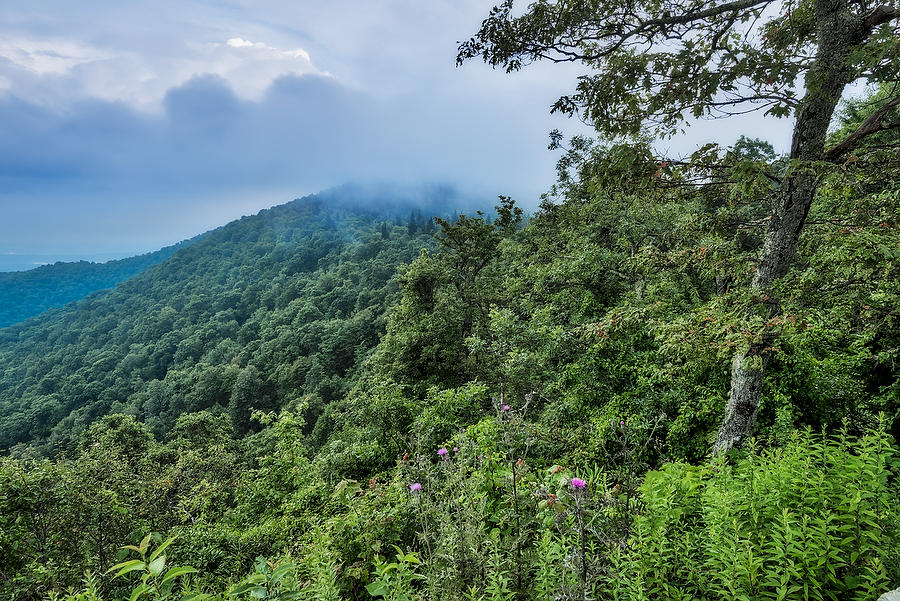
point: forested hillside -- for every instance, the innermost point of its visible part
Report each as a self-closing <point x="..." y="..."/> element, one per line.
<point x="263" y="312"/>
<point x="24" y="294"/>
<point x="678" y="380"/>
<point x="492" y="408"/>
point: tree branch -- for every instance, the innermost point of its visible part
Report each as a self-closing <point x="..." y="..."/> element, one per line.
<point x="878" y="16"/>
<point x="870" y="126"/>
<point x="714" y="11"/>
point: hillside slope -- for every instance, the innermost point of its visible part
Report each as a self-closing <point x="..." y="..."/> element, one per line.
<point x="24" y="294"/>
<point x="533" y="423"/>
<point x="273" y="310"/>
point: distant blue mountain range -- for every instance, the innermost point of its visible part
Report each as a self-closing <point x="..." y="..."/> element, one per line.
<point x="31" y="284"/>
<point x="23" y="262"/>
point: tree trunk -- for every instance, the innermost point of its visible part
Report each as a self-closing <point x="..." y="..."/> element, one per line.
<point x="838" y="30"/>
<point x="743" y="401"/>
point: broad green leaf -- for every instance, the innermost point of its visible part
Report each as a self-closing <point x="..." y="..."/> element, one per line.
<point x="126" y="566"/>
<point x="281" y="571"/>
<point x="138" y="592"/>
<point x="161" y="548"/>
<point x="378" y="589"/>
<point x="178" y="571"/>
<point x="157" y="566"/>
<point x="241" y="588"/>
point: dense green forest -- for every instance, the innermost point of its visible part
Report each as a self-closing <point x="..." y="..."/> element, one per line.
<point x="24" y="294"/>
<point x="677" y="380"/>
<point x="479" y="422"/>
<point x="264" y="312"/>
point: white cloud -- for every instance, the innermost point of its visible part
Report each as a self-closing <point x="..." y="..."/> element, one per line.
<point x="297" y="53"/>
<point x="250" y="67"/>
<point x="49" y="56"/>
<point x="54" y="71"/>
<point x="239" y="43"/>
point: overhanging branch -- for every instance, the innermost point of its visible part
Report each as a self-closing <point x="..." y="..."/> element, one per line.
<point x="878" y="16"/>
<point x="873" y="124"/>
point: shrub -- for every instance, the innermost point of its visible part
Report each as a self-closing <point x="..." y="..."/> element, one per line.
<point x="809" y="520"/>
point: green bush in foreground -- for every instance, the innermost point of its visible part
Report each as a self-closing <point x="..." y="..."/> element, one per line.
<point x="815" y="519"/>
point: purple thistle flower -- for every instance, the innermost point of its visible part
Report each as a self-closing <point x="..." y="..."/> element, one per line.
<point x="456" y="449"/>
<point x="622" y="423"/>
<point x="415" y="487"/>
<point x="578" y="483"/>
<point x="442" y="451"/>
<point x="506" y="407"/>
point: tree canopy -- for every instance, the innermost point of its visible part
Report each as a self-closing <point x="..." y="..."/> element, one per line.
<point x="655" y="63"/>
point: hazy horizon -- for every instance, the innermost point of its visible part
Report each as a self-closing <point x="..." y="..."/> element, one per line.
<point x="376" y="194"/>
<point x="21" y="262"/>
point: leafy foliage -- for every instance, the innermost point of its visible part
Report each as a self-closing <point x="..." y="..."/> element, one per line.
<point x="523" y="410"/>
<point x="654" y="65"/>
<point x="24" y="294"/>
<point x="158" y="580"/>
<point x="808" y="520"/>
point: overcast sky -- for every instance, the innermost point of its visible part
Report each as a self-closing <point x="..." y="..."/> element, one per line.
<point x="127" y="126"/>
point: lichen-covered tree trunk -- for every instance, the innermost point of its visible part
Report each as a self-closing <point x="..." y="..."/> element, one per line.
<point x="837" y="32"/>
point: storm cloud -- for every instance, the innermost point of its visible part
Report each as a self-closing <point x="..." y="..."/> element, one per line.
<point x="128" y="126"/>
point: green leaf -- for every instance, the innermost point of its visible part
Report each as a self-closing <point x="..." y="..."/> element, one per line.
<point x="126" y="566"/>
<point x="142" y="548"/>
<point x="157" y="566"/>
<point x="139" y="592"/>
<point x="281" y="571"/>
<point x="178" y="571"/>
<point x="161" y="548"/>
<point x="241" y="588"/>
<point x="378" y="589"/>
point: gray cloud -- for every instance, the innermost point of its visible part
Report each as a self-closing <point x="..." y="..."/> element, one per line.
<point x="211" y="153"/>
<point x="125" y="126"/>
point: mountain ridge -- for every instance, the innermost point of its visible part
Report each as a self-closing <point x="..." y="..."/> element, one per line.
<point x="188" y="333"/>
<point x="26" y="294"/>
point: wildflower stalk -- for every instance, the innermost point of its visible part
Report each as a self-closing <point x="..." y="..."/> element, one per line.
<point x="514" y="463"/>
<point x="579" y="487"/>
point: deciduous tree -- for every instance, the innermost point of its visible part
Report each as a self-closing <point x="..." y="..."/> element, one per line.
<point x="657" y="63"/>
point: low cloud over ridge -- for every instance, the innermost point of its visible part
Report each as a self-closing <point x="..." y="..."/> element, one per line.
<point x="306" y="132"/>
<point x="128" y="126"/>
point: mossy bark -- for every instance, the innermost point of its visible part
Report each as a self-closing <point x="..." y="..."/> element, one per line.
<point x="838" y="31"/>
